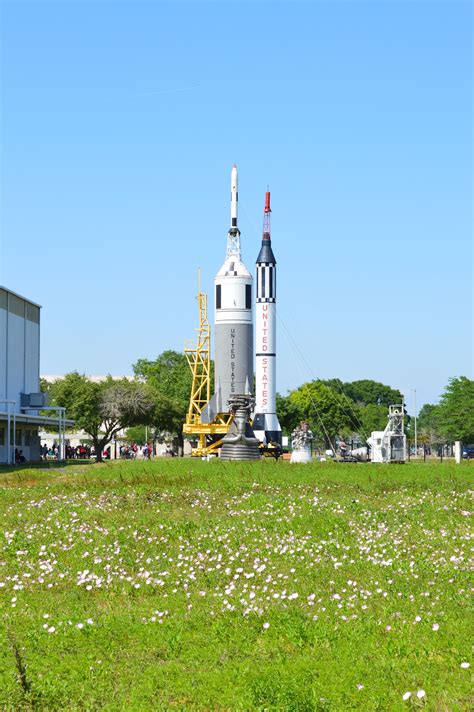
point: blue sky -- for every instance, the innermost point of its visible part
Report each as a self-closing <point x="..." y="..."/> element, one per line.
<point x="120" y="125"/>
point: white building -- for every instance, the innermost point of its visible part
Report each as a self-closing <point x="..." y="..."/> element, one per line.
<point x="20" y="396"/>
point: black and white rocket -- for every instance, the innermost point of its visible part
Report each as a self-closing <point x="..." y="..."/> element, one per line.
<point x="265" y="421"/>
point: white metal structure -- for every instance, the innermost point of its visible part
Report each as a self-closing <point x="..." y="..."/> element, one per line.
<point x="389" y="445"/>
<point x="11" y="416"/>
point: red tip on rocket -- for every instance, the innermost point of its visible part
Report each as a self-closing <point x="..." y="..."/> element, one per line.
<point x="267" y="202"/>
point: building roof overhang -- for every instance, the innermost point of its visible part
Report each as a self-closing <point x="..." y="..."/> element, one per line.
<point x="15" y="294"/>
<point x="35" y="419"/>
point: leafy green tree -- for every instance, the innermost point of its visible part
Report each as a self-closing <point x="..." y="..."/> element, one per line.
<point x="373" y="417"/>
<point x="45" y="386"/>
<point x="289" y="413"/>
<point x="324" y="410"/>
<point x="170" y="380"/>
<point x="335" y="383"/>
<point x="455" y="412"/>
<point x="102" y="409"/>
<point x="138" y="434"/>
<point x="427" y="424"/>
<point x="169" y="374"/>
<point x="367" y="391"/>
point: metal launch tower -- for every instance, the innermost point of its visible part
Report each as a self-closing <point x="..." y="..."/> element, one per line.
<point x="265" y="421"/>
<point x="209" y="435"/>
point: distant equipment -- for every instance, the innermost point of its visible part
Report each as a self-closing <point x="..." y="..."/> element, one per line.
<point x="390" y="445"/>
<point x="301" y="439"/>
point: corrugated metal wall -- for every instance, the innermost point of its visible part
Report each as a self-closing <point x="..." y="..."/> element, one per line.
<point x="19" y="347"/>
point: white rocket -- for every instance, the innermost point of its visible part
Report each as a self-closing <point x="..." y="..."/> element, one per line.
<point x="265" y="421"/>
<point x="233" y="333"/>
<point x="233" y="236"/>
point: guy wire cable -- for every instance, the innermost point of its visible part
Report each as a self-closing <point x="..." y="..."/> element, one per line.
<point x="353" y="418"/>
<point x="288" y="336"/>
<point x="342" y="397"/>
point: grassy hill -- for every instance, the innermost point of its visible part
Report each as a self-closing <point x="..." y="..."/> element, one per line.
<point x="187" y="584"/>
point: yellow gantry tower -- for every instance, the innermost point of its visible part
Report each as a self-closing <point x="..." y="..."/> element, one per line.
<point x="199" y="360"/>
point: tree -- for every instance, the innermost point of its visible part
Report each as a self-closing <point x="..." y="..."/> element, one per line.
<point x="102" y="409"/>
<point x="367" y="391"/>
<point x="455" y="412"/>
<point x="324" y="410"/>
<point x="138" y="434"/>
<point x="170" y="380"/>
<point x="427" y="424"/>
<point x="289" y="414"/>
<point x="45" y="386"/>
<point x="373" y="417"/>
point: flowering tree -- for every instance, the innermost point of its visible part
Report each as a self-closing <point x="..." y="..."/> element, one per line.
<point x="102" y="409"/>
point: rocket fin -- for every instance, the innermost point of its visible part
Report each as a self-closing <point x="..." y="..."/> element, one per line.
<point x="247" y="387"/>
<point x="214" y="406"/>
<point x="218" y="394"/>
<point x="208" y="412"/>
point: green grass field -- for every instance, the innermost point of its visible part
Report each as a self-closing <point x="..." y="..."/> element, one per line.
<point x="194" y="585"/>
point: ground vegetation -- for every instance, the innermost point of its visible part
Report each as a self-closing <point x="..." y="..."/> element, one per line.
<point x="208" y="585"/>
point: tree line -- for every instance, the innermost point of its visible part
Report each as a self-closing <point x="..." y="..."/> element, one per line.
<point x="452" y="418"/>
<point x="158" y="397"/>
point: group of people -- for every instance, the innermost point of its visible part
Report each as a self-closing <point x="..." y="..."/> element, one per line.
<point x="131" y="452"/>
<point x="79" y="452"/>
<point x="49" y="453"/>
<point x="85" y="452"/>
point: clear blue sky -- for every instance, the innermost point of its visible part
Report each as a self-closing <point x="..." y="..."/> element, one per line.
<point x="120" y="125"/>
